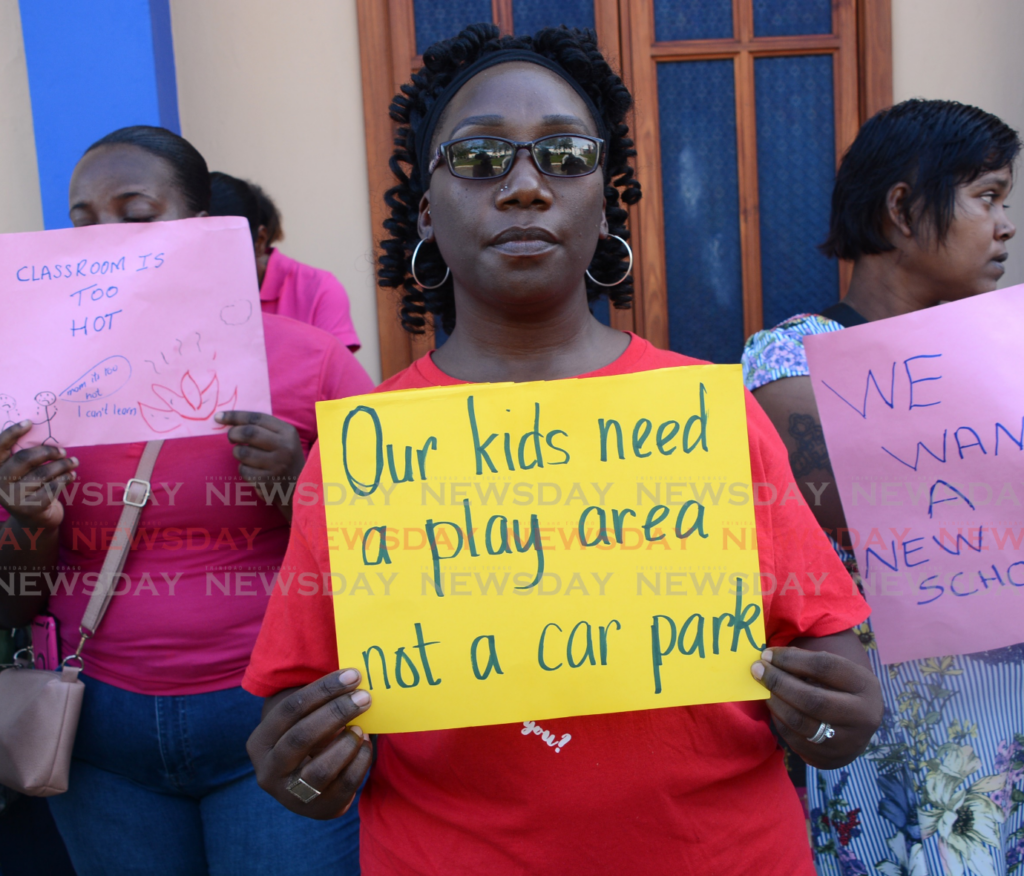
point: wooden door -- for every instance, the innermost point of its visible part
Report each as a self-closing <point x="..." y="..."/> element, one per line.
<point x="743" y="108"/>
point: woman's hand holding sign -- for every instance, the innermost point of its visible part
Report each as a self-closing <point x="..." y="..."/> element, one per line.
<point x="825" y="681"/>
<point x="32" y="478"/>
<point x="269" y="452"/>
<point x="30" y="481"/>
<point x="305" y="744"/>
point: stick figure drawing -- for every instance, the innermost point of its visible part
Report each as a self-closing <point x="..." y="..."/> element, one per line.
<point x="8" y="411"/>
<point x="46" y="407"/>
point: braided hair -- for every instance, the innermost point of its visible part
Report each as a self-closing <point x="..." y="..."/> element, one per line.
<point x="577" y="52"/>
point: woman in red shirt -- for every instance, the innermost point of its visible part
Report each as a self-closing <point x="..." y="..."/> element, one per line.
<point x="515" y="161"/>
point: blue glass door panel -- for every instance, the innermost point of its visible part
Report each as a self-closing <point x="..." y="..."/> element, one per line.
<point x="692" y="20"/>
<point x="792" y="17"/>
<point x="442" y="19"/>
<point x="697" y="111"/>
<point x="796" y="170"/>
<point x="529" y="16"/>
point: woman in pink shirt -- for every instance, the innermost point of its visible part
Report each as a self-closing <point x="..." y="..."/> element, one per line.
<point x="160" y="782"/>
<point x="287" y="287"/>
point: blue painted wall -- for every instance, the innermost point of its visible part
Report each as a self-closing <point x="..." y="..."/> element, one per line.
<point x="93" y="67"/>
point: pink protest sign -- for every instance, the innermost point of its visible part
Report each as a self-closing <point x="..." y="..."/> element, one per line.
<point x="923" y="416"/>
<point x="119" y="333"/>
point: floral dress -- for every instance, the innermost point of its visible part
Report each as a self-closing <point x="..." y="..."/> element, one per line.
<point x="940" y="788"/>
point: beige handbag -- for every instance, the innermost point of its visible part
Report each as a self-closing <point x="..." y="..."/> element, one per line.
<point x="39" y="708"/>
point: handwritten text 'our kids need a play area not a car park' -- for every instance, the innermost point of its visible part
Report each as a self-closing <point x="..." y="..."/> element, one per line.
<point x="511" y="552"/>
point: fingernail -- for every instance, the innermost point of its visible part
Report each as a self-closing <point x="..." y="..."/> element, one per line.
<point x="61" y="451"/>
<point x="25" y="423"/>
<point x="357" y="730"/>
<point x="219" y="418"/>
<point x="766" y="656"/>
<point x="349" y="676"/>
<point x="757" y="670"/>
<point x="361" y="698"/>
<point x="74" y="460"/>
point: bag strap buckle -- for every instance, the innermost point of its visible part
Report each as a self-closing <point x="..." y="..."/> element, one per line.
<point x="77" y="656"/>
<point x="147" y="491"/>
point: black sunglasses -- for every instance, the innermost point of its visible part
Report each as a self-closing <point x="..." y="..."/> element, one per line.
<point x="562" y="155"/>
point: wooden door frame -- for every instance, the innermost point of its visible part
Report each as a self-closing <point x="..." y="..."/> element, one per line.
<point x="377" y="70"/>
<point x="861" y="47"/>
<point x="874" y="49"/>
<point x="625" y="29"/>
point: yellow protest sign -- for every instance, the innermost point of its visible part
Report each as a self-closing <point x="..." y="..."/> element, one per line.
<point x="511" y="552"/>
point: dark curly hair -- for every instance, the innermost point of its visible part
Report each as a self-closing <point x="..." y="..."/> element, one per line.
<point x="577" y="53"/>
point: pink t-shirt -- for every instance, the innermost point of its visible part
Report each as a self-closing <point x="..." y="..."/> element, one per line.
<point x="309" y="295"/>
<point x="198" y="577"/>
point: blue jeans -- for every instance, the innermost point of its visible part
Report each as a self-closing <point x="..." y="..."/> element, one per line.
<point x="162" y="786"/>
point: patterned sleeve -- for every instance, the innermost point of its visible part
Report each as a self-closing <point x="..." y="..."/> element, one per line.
<point x="778" y="352"/>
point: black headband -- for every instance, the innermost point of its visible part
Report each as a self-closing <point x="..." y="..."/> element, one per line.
<point x="423" y="133"/>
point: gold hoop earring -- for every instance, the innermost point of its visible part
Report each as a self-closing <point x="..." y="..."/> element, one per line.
<point x="447" y="270"/>
<point x="629" y="270"/>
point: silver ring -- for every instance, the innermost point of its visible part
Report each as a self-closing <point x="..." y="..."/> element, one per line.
<point x="629" y="270"/>
<point x="299" y="787"/>
<point x="412" y="268"/>
<point x="825" y="731"/>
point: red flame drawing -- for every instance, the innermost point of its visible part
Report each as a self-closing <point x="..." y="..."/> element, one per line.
<point x="193" y="402"/>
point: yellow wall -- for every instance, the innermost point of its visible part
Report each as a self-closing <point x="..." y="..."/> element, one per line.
<point x="20" y="206"/>
<point x="966" y="50"/>
<point x="270" y="91"/>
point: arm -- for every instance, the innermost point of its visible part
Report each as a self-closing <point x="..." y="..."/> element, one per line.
<point x="36" y="552"/>
<point x="817" y="679"/>
<point x="789" y="404"/>
<point x="822" y="679"/>
<point x="305" y="731"/>
<point x="30" y="481"/>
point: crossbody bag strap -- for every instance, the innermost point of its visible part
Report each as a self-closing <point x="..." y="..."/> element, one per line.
<point x="136" y="494"/>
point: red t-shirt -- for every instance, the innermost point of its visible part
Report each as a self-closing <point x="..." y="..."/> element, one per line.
<point x="698" y="789"/>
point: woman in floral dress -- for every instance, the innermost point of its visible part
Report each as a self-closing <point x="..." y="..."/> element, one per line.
<point x="919" y="208"/>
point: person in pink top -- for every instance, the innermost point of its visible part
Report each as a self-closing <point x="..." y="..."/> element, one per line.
<point x="287" y="287"/>
<point x="160" y="782"/>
